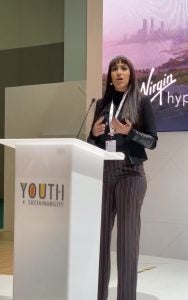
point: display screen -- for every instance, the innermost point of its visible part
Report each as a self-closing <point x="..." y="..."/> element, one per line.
<point x="154" y="36"/>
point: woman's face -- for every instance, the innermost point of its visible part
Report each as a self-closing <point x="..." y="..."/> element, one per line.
<point x="120" y="74"/>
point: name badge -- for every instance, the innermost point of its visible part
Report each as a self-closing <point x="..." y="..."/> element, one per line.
<point x="111" y="145"/>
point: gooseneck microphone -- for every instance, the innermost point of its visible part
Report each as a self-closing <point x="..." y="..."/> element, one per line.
<point x="83" y="122"/>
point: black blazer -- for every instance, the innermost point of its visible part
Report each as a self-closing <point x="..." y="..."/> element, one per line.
<point x="133" y="144"/>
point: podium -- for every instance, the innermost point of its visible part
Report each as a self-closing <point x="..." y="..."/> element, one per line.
<point x="58" y="191"/>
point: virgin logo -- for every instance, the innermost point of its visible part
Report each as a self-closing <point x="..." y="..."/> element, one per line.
<point x="149" y="88"/>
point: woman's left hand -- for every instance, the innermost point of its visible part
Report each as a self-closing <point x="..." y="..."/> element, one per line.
<point x="120" y="127"/>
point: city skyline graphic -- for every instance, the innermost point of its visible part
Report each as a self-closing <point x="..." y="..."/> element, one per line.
<point x="157" y="44"/>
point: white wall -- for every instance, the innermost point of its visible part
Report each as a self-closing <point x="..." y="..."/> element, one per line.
<point x="165" y="209"/>
<point x="164" y="230"/>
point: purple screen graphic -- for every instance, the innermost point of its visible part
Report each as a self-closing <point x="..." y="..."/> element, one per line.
<point x="154" y="36"/>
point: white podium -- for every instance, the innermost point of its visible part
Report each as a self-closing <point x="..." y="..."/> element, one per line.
<point x="58" y="191"/>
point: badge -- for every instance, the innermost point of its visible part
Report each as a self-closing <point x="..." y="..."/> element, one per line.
<point x="111" y="145"/>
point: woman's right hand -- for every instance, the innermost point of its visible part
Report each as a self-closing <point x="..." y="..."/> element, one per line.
<point x="98" y="127"/>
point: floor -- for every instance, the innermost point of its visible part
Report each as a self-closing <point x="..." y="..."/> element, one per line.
<point x="158" y="279"/>
<point x="6" y="257"/>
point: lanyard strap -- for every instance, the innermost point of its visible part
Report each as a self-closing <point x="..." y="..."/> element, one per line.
<point x="117" y="112"/>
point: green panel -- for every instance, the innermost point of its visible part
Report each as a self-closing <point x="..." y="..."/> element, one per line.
<point x="10" y="67"/>
<point x="1" y="212"/>
<point x="41" y="64"/>
<point x="75" y="40"/>
<point x="9" y="24"/>
<point x="57" y="21"/>
<point x="34" y="22"/>
<point x="41" y="22"/>
<point x="27" y="23"/>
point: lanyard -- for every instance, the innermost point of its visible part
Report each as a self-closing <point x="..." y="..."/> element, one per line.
<point x="117" y="112"/>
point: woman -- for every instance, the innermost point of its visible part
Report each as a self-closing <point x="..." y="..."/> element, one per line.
<point x="123" y="121"/>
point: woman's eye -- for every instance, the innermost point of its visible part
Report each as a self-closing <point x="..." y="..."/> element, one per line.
<point x="114" y="69"/>
<point x="124" y="68"/>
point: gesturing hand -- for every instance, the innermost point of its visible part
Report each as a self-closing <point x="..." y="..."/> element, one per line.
<point x="98" y="127"/>
<point x="120" y="127"/>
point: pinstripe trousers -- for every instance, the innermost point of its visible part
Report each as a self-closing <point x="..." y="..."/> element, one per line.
<point x="124" y="188"/>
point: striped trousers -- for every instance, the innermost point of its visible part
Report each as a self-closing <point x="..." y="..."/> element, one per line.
<point x="124" y="188"/>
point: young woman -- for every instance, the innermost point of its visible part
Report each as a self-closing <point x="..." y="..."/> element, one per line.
<point x="123" y="121"/>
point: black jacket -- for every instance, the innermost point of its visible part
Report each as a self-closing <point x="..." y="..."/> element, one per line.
<point x="133" y="144"/>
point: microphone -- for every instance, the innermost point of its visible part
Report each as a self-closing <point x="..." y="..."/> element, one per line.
<point x="83" y="122"/>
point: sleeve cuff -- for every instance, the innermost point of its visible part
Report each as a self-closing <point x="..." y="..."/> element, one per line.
<point x="131" y="134"/>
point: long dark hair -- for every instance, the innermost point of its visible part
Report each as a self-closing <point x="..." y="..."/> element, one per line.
<point x="131" y="106"/>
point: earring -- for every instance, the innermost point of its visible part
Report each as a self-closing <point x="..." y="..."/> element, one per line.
<point x="111" y="83"/>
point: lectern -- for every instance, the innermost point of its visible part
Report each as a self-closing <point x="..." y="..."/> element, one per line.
<point x="58" y="190"/>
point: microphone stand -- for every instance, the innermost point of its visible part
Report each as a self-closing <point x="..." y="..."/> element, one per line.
<point x="83" y="122"/>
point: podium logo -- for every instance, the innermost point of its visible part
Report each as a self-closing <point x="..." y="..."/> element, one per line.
<point x="42" y="194"/>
